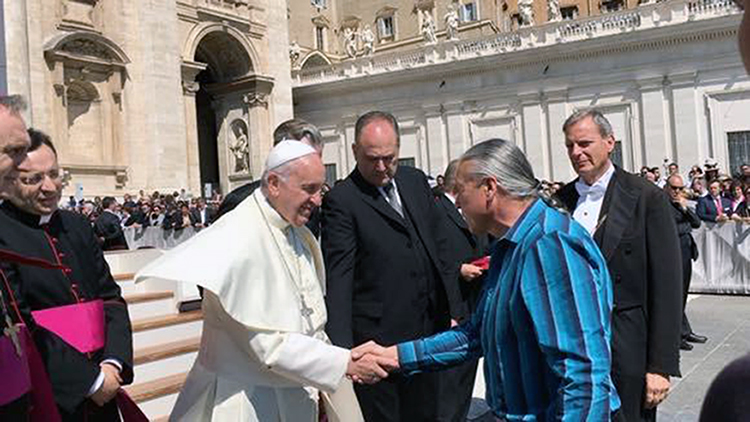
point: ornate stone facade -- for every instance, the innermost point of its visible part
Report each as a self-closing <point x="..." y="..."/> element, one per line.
<point x="668" y="76"/>
<point x="163" y="95"/>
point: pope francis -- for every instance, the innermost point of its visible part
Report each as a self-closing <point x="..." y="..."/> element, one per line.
<point x="264" y="354"/>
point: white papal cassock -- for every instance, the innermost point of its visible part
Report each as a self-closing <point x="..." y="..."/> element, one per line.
<point x="264" y="355"/>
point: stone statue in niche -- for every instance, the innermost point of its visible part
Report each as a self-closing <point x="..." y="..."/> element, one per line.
<point x="553" y="11"/>
<point x="368" y="41"/>
<point x="240" y="148"/>
<point x="451" y="23"/>
<point x="350" y="42"/>
<point x="428" y="28"/>
<point x="525" y="12"/>
<point x="294" y="52"/>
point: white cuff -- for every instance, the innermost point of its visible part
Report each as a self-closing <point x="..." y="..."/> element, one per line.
<point x="114" y="362"/>
<point x="97" y="384"/>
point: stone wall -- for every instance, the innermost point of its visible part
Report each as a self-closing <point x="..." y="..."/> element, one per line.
<point x="113" y="82"/>
<point x="672" y="85"/>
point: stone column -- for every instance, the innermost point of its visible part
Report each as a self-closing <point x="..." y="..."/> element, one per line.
<point x="437" y="143"/>
<point x="534" y="143"/>
<point x="17" y="61"/>
<point x="557" y="113"/>
<point x="189" y="88"/>
<point x="457" y="138"/>
<point x="686" y="115"/>
<point x="260" y="136"/>
<point x="657" y="140"/>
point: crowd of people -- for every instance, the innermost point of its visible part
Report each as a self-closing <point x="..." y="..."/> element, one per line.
<point x="168" y="211"/>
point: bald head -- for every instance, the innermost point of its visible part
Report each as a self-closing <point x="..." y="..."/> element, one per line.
<point x="14" y="140"/>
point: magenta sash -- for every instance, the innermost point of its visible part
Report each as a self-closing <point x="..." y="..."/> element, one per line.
<point x="21" y="374"/>
<point x="81" y="325"/>
<point x="14" y="369"/>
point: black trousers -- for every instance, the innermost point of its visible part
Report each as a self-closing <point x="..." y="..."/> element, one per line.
<point x="632" y="392"/>
<point x="89" y="411"/>
<point x="17" y="410"/>
<point x="687" y="274"/>
<point x="456" y="386"/>
<point x="401" y="399"/>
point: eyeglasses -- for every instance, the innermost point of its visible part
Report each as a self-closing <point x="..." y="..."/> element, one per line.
<point x="37" y="178"/>
<point x="677" y="187"/>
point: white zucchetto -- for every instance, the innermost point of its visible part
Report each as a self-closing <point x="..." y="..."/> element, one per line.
<point x="286" y="151"/>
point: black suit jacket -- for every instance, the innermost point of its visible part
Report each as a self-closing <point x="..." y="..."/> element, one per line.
<point x="638" y="238"/>
<point x="372" y="293"/>
<point x="70" y="239"/>
<point x="107" y="226"/>
<point x="462" y="247"/>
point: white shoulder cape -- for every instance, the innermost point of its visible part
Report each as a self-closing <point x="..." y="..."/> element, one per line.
<point x="236" y="259"/>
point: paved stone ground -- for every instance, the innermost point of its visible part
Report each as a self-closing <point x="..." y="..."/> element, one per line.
<point x="726" y="322"/>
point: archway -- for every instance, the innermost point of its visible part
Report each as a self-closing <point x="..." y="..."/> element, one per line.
<point x="226" y="60"/>
<point x="314" y="60"/>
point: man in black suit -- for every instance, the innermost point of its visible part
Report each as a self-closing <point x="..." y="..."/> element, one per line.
<point x="631" y="221"/>
<point x="107" y="226"/>
<point x="383" y="248"/>
<point x="686" y="221"/>
<point x="714" y="207"/>
<point x="84" y="384"/>
<point x="463" y="248"/>
<point x="203" y="214"/>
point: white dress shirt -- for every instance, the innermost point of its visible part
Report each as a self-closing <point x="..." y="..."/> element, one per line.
<point x="590" y="200"/>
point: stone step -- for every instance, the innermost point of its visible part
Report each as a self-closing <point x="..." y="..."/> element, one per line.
<point x="165" y="359"/>
<point x="150" y="304"/>
<point x="126" y="282"/>
<point x="123" y="262"/>
<point x="156" y="398"/>
<point x="153" y="331"/>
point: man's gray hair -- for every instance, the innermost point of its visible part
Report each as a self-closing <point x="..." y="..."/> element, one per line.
<point x="15" y="104"/>
<point x="502" y="160"/>
<point x="605" y="128"/>
<point x="449" y="178"/>
<point x="298" y="130"/>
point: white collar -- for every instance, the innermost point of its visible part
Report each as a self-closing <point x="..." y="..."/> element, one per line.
<point x="599" y="187"/>
<point x="450" y="197"/>
<point x="45" y="219"/>
<point x="273" y="216"/>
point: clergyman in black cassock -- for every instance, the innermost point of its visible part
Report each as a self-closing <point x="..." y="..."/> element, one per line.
<point x="67" y="239"/>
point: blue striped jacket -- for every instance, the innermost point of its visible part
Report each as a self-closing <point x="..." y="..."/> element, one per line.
<point x="542" y="325"/>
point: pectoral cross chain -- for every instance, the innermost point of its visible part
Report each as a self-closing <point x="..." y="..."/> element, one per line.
<point x="12" y="331"/>
<point x="306" y="311"/>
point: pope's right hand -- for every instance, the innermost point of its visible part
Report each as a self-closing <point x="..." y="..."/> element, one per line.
<point x="371" y="362"/>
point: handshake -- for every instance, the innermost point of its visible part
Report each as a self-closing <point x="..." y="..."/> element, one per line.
<point x="371" y="362"/>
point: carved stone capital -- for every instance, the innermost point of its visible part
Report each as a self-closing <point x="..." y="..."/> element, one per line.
<point x="190" y="87"/>
<point x="255" y="99"/>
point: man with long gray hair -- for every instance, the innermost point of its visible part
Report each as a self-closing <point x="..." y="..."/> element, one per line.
<point x="543" y="323"/>
<point x="631" y="220"/>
